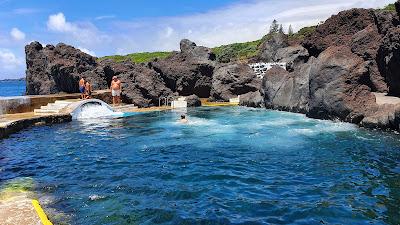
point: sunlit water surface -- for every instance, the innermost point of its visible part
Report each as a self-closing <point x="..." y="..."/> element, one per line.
<point x="226" y="166"/>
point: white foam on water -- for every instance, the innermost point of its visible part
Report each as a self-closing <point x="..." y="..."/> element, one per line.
<point x="94" y="111"/>
<point x="325" y="127"/>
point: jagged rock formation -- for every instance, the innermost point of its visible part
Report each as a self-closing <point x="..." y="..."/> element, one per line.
<point x="189" y="71"/>
<point x="252" y="99"/>
<point x="270" y="47"/>
<point x="231" y="80"/>
<point x="142" y="86"/>
<point x="338" y="87"/>
<point x="54" y="69"/>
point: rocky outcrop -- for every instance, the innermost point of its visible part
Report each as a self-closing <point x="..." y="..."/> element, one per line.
<point x="189" y="71"/>
<point x="269" y="48"/>
<point x="338" y="87"/>
<point x="54" y="69"/>
<point x="383" y="117"/>
<point x="252" y="99"/>
<point x="193" y="101"/>
<point x="288" y="91"/>
<point x="231" y="80"/>
<point x="293" y="56"/>
<point x="142" y="86"/>
<point x="389" y="55"/>
<point x="338" y="30"/>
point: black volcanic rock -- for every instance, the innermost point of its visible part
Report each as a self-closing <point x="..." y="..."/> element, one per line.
<point x="385" y="20"/>
<point x="337" y="86"/>
<point x="55" y="69"/>
<point x="270" y="47"/>
<point x="338" y="30"/>
<point x="252" y="99"/>
<point x="189" y="71"/>
<point x="142" y="86"/>
<point x="293" y="56"/>
<point x="193" y="101"/>
<point x="288" y="91"/>
<point x="231" y="80"/>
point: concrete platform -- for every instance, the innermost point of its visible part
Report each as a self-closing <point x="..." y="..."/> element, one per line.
<point x="382" y="98"/>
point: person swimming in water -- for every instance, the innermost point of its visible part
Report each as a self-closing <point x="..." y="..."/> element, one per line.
<point x="183" y="119"/>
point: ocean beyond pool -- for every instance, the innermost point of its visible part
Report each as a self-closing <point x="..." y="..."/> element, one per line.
<point x="12" y="88"/>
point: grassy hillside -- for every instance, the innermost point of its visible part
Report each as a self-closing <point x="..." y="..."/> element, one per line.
<point x="141" y="57"/>
<point x="237" y="51"/>
<point x="389" y="7"/>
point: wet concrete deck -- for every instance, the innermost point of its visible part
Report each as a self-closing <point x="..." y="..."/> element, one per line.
<point x="18" y="209"/>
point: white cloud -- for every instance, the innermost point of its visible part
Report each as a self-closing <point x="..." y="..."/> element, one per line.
<point x="77" y="33"/>
<point x="87" y="51"/>
<point x="10" y="64"/>
<point x="57" y="22"/>
<point x="17" y="34"/>
<point x="105" y="17"/>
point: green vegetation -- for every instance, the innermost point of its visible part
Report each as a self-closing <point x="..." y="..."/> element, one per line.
<point x="225" y="53"/>
<point x="389" y="7"/>
<point x="141" y="57"/>
<point x="237" y="51"/>
<point x="302" y="33"/>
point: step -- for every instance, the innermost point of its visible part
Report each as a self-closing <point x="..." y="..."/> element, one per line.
<point x="51" y="106"/>
<point x="45" y="111"/>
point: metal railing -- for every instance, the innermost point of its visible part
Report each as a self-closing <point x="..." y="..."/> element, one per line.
<point x="165" y="101"/>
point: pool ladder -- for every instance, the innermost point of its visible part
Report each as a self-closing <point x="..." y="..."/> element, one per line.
<point x="165" y="101"/>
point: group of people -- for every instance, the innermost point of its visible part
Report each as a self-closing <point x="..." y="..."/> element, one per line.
<point x="85" y="88"/>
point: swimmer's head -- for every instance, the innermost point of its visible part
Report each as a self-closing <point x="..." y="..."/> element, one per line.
<point x="183" y="117"/>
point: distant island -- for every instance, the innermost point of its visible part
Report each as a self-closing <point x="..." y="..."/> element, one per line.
<point x="16" y="79"/>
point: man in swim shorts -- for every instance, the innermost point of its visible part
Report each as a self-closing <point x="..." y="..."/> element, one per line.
<point x="116" y="89"/>
<point x="82" y="87"/>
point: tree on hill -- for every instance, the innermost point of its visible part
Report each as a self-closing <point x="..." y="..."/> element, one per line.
<point x="281" y="29"/>
<point x="290" y="30"/>
<point x="274" y="28"/>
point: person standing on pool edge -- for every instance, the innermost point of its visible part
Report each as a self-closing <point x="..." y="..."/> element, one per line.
<point x="116" y="89"/>
<point x="82" y="87"/>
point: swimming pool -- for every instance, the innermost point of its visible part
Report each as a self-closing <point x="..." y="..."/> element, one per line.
<point x="227" y="166"/>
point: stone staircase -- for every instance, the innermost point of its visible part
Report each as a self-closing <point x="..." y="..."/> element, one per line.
<point x="54" y="108"/>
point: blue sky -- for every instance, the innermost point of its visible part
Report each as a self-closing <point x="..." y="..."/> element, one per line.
<point x="121" y="27"/>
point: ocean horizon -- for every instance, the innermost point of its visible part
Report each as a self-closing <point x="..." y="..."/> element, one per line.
<point x="11" y="87"/>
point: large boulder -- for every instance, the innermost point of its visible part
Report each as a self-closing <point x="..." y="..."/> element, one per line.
<point x="252" y="99"/>
<point x="193" y="101"/>
<point x="54" y="69"/>
<point x="288" y="91"/>
<point x="365" y="44"/>
<point x="338" y="30"/>
<point x="338" y="87"/>
<point x="389" y="59"/>
<point x="141" y="85"/>
<point x="231" y="80"/>
<point x="293" y="56"/>
<point x="189" y="71"/>
<point x="269" y="48"/>
<point x="385" y="20"/>
<point x="384" y="117"/>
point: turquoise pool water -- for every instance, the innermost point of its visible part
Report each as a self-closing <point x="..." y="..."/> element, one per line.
<point x="227" y="166"/>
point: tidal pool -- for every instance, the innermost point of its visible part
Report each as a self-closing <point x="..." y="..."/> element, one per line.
<point x="226" y="166"/>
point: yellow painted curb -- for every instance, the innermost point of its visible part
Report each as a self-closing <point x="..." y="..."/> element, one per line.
<point x="42" y="215"/>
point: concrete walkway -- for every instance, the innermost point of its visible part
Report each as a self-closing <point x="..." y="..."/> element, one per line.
<point x="18" y="209"/>
<point x="382" y="98"/>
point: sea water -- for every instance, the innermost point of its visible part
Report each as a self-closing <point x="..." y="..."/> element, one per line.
<point x="12" y="88"/>
<point x="226" y="166"/>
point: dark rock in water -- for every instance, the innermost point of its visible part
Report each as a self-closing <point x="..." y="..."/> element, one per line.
<point x="292" y="55"/>
<point x="252" y="99"/>
<point x="384" y="117"/>
<point x="389" y="56"/>
<point x="288" y="91"/>
<point x="55" y="69"/>
<point x="270" y="47"/>
<point x="338" y="30"/>
<point x="141" y="85"/>
<point x="337" y="86"/>
<point x="365" y="44"/>
<point x="231" y="80"/>
<point x="193" y="101"/>
<point x="189" y="71"/>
